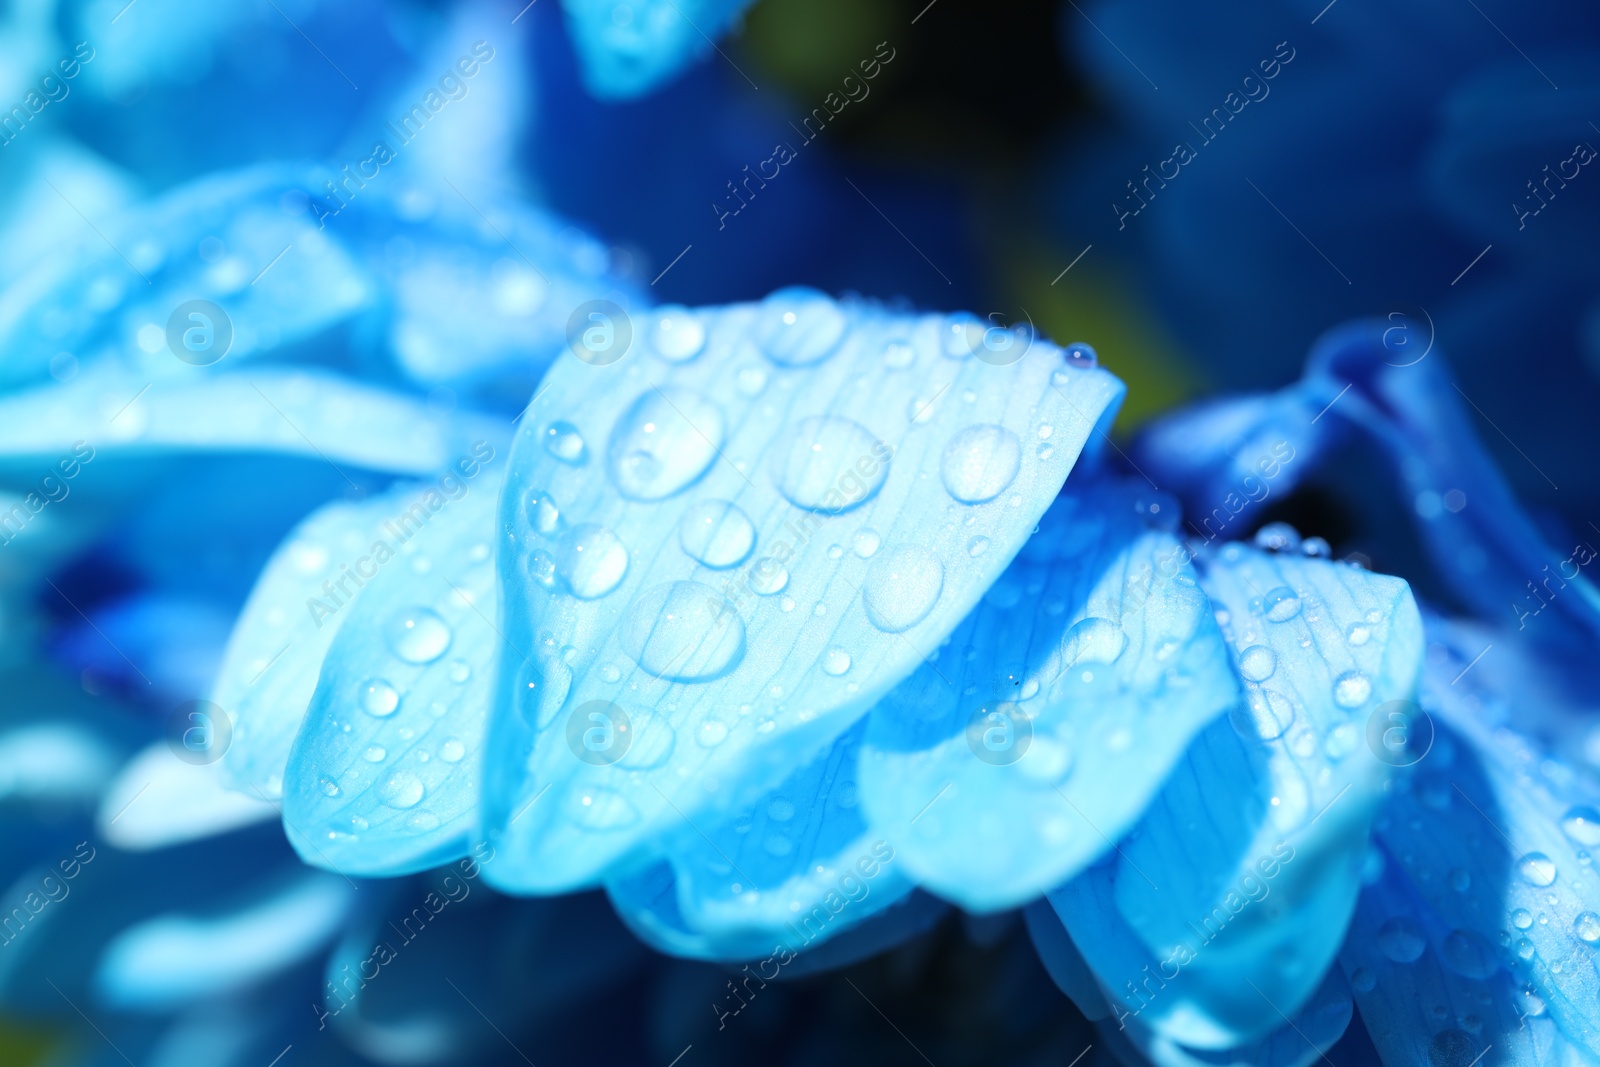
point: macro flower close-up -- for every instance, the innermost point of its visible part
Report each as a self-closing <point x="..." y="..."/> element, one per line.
<point x="699" y="532"/>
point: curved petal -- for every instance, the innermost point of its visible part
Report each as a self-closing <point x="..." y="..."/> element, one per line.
<point x="799" y="866"/>
<point x="158" y="800"/>
<point x="1036" y="736"/>
<point x="383" y="777"/>
<point x="177" y="958"/>
<point x="677" y="522"/>
<point x="1427" y="1000"/>
<point x="306" y="413"/>
<point x="1494" y="830"/>
<point x="1247" y="864"/>
<point x="270" y="668"/>
<point x="1299" y="1042"/>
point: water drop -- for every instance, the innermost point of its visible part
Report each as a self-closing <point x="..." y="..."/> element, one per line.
<point x="452" y="750"/>
<point x="375" y="754"/>
<point x="1277" y="537"/>
<point x="1257" y="663"/>
<point x="866" y="542"/>
<point x="683" y="632"/>
<point x="460" y="671"/>
<point x="1358" y="634"/>
<point x="1452" y="1048"/>
<point x="780" y="809"/>
<point x="1351" y="689"/>
<point x="563" y="441"/>
<point x="541" y="567"/>
<point x="418" y="635"/>
<point x="836" y="661"/>
<point x="1092" y="640"/>
<point x="1582" y="824"/>
<point x="1537" y="869"/>
<point x="798" y="326"/>
<point x="1265" y="714"/>
<point x="542" y="513"/>
<point x="402" y="790"/>
<point x="1401" y="940"/>
<point x="716" y="533"/>
<point x="768" y="576"/>
<point x="379" y="698"/>
<point x="980" y="463"/>
<point x="676" y="333"/>
<point x="1468" y="955"/>
<point x="330" y="788"/>
<point x="1081" y="356"/>
<point x="898" y="355"/>
<point x="712" y="733"/>
<point x="1587" y="927"/>
<point x="903" y="584"/>
<point x="977" y="546"/>
<point x="826" y="463"/>
<point x="1522" y="918"/>
<point x="592" y="561"/>
<point x="1281" y="604"/>
<point x="663" y="443"/>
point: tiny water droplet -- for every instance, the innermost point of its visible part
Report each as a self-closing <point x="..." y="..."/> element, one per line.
<point x="829" y="464"/>
<point x="977" y="546"/>
<point x="1582" y="824"/>
<point x="592" y="562"/>
<point x="1081" y="356"/>
<point x="1257" y="663"/>
<point x="866" y="542"/>
<point x="1537" y="869"/>
<point x="1401" y="940"/>
<point x="768" y="576"/>
<point x="375" y="754"/>
<point x="418" y="635"/>
<point x="712" y="733"/>
<point x="452" y="750"/>
<point x="379" y="698"/>
<point x="716" y="533"/>
<point x="676" y="333"/>
<point x="1358" y="634"/>
<point x="683" y="632"/>
<point x="1351" y="689"/>
<point x="836" y="661"/>
<point x="1282" y="604"/>
<point x="798" y="326"/>
<point x="563" y="441"/>
<point x="980" y="462"/>
<point x="903" y="585"/>
<point x="663" y="443"/>
<point x="402" y="790"/>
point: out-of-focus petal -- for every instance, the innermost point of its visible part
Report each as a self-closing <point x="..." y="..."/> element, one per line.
<point x="626" y="52"/>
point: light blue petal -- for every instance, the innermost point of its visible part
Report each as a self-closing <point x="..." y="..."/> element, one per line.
<point x="1036" y="736"/>
<point x="1494" y="831"/>
<point x="384" y="774"/>
<point x="628" y="57"/>
<point x="1427" y="1000"/>
<point x="1063" y="961"/>
<point x="321" y="417"/>
<point x="745" y="543"/>
<point x="176" y="958"/>
<point x="102" y="308"/>
<point x="157" y="801"/>
<point x="283" y="634"/>
<point x="1242" y="874"/>
<point x="1297" y="1042"/>
<point x="799" y="866"/>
